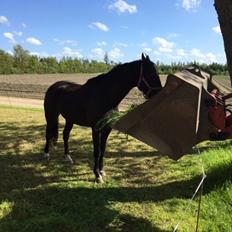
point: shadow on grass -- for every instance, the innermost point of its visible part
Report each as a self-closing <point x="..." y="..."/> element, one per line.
<point x="41" y="207"/>
<point x="80" y="209"/>
<point x="83" y="209"/>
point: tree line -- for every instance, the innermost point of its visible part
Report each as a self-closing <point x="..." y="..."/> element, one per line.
<point x="213" y="68"/>
<point x="21" y="62"/>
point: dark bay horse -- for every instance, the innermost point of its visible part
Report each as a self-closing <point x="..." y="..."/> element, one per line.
<point x="86" y="104"/>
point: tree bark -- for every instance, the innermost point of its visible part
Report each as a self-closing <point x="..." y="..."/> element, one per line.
<point x="224" y="11"/>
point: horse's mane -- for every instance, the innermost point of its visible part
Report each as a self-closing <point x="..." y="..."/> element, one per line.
<point x="115" y="69"/>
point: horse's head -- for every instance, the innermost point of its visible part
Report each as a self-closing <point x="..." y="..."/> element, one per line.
<point x="149" y="81"/>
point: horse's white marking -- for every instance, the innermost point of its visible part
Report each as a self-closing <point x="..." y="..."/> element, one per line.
<point x="68" y="158"/>
<point x="99" y="180"/>
<point x="103" y="173"/>
<point x="47" y="156"/>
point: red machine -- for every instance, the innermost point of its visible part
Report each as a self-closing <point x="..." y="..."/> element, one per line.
<point x="220" y="115"/>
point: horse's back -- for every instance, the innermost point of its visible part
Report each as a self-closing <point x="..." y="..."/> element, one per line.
<point x="60" y="87"/>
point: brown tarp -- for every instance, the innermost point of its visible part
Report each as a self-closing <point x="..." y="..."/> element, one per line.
<point x="174" y="120"/>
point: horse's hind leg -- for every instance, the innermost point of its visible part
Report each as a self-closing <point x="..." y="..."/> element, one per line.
<point x="47" y="145"/>
<point x="49" y="137"/>
<point x="104" y="135"/>
<point x="68" y="127"/>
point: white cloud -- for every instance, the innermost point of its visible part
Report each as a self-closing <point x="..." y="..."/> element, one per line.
<point x="100" y="26"/>
<point x="115" y="54"/>
<point x="3" y="20"/>
<point x="201" y="57"/>
<point x="122" y="7"/>
<point x="194" y="54"/>
<point x="222" y="58"/>
<point x="119" y="44"/>
<point x="66" y="42"/>
<point x="173" y="35"/>
<point x="217" y="29"/>
<point x="40" y="54"/>
<point x="56" y="40"/>
<point x="211" y="58"/>
<point x="18" y="33"/>
<point x="101" y="43"/>
<point x="10" y="52"/>
<point x="69" y="52"/>
<point x="35" y="53"/>
<point x="144" y="44"/>
<point x="164" y="45"/>
<point x="147" y="50"/>
<point x="10" y="37"/>
<point x="190" y="5"/>
<point x="98" y="52"/>
<point x="181" y="52"/>
<point x="24" y="25"/>
<point x="70" y="42"/>
<point x="33" y="41"/>
<point x="157" y="53"/>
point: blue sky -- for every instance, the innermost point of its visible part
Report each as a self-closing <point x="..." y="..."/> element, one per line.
<point x="167" y="30"/>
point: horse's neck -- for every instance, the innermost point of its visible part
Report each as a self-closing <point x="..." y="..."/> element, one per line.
<point x="121" y="82"/>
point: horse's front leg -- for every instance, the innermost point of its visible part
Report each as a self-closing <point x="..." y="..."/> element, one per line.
<point x="104" y="135"/>
<point x="96" y="154"/>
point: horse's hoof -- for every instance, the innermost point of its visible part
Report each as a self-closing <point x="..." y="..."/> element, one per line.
<point x="68" y="158"/>
<point x="47" y="157"/>
<point x="99" y="180"/>
<point x="103" y="173"/>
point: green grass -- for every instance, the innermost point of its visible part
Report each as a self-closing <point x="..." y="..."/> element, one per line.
<point x="143" y="191"/>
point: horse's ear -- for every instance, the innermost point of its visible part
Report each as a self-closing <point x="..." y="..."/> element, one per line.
<point x="147" y="58"/>
<point x="143" y="57"/>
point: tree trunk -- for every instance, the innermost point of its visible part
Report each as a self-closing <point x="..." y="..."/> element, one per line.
<point x="224" y="11"/>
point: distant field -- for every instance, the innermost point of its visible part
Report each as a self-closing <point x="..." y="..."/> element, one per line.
<point x="225" y="79"/>
<point x="33" y="86"/>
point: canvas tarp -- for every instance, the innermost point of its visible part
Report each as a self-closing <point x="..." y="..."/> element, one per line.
<point x="175" y="119"/>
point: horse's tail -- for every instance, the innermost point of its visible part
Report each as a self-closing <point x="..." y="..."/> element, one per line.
<point x="54" y="131"/>
<point x="52" y="118"/>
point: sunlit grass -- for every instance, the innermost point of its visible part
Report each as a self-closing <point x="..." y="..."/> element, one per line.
<point x="5" y="208"/>
<point x="143" y="191"/>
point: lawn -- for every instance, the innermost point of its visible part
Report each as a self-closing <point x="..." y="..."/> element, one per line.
<point x="143" y="191"/>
